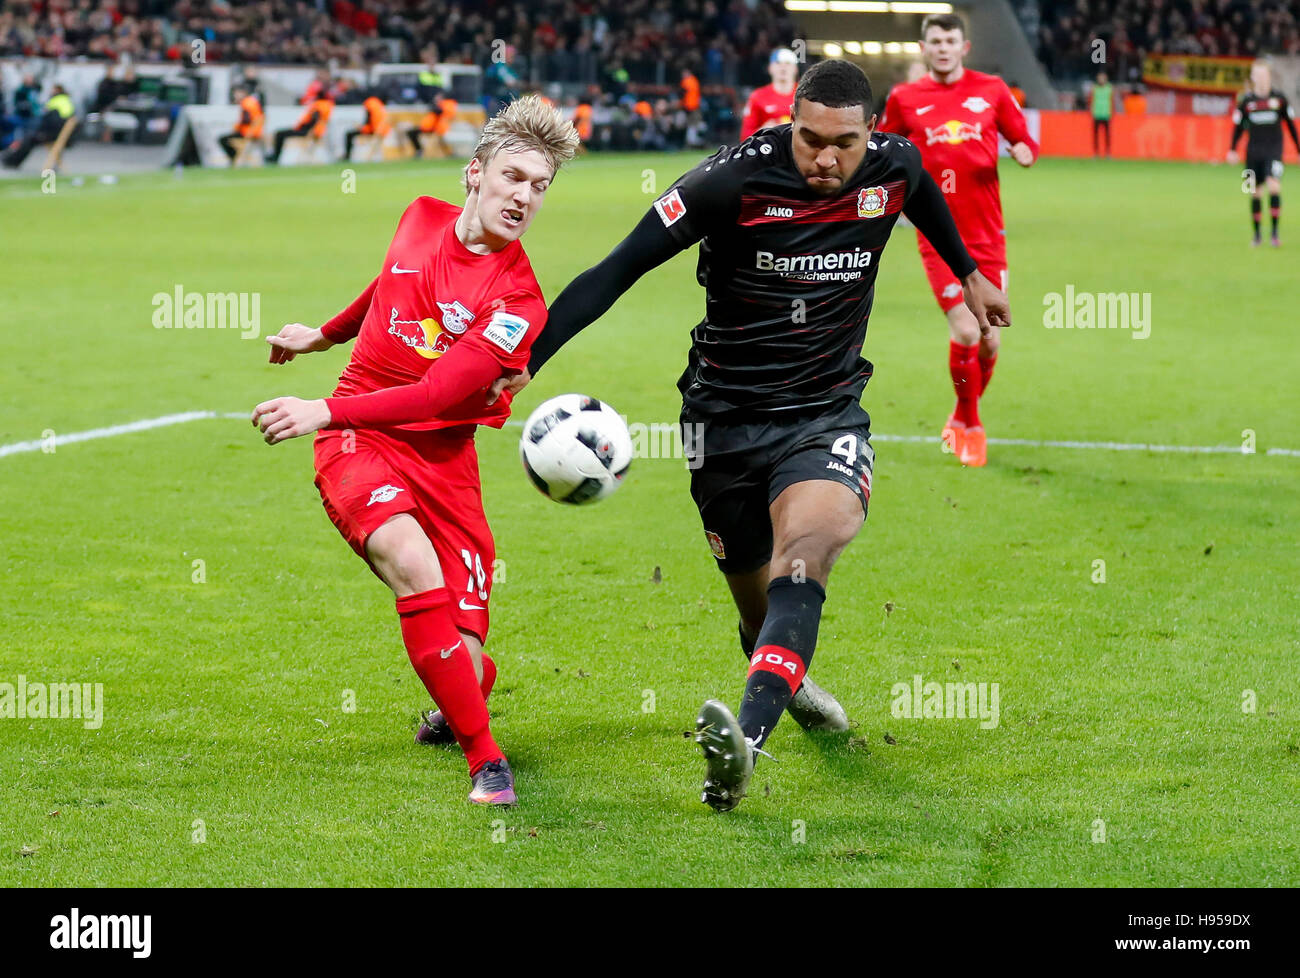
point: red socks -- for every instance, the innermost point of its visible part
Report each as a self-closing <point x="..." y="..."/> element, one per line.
<point x="986" y="371"/>
<point x="443" y="664"/>
<point x="489" y="677"/>
<point x="964" y="364"/>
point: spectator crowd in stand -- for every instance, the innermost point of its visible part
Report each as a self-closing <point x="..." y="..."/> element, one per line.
<point x="598" y="42"/>
<point x="1069" y="30"/>
<point x="639" y="74"/>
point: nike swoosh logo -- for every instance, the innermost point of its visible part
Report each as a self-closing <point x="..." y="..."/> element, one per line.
<point x="470" y="607"/>
<point x="446" y="653"/>
<point x="403" y="271"/>
<point x="919" y="111"/>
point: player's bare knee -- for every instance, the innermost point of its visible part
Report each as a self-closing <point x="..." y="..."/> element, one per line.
<point x="963" y="327"/>
<point x="404" y="557"/>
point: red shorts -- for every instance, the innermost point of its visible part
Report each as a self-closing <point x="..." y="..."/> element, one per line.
<point x="367" y="477"/>
<point x="990" y="256"/>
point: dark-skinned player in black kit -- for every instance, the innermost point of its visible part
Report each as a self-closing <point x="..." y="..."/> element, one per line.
<point x="791" y="224"/>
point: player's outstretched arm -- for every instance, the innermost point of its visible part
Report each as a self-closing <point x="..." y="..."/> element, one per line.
<point x="467" y="367"/>
<point x="589" y="296"/>
<point x="296" y="338"/>
<point x="928" y="211"/>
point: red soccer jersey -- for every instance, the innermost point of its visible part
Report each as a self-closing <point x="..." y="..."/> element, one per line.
<point x="766" y="107"/>
<point x="433" y="293"/>
<point x="956" y="128"/>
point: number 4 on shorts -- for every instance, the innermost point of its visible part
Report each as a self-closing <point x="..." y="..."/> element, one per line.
<point x="847" y="447"/>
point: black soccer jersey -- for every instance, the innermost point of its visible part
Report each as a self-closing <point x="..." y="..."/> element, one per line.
<point x="789" y="274"/>
<point x="1263" y="116"/>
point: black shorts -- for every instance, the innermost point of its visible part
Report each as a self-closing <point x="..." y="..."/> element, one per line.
<point x="1263" y="167"/>
<point x="738" y="470"/>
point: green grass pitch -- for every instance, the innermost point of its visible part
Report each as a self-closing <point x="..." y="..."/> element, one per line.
<point x="1148" y="725"/>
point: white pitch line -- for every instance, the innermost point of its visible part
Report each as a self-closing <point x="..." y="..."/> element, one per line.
<point x="146" y="424"/>
<point x="1112" y="446"/>
<point x="117" y="429"/>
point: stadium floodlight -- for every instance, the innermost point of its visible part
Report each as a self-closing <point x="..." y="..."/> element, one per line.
<point x="807" y="6"/>
<point x="872" y="47"/>
<point x="893" y="47"/>
<point x="853" y="47"/>
<point x="919" y="8"/>
<point x="832" y="50"/>
<point x="858" y="7"/>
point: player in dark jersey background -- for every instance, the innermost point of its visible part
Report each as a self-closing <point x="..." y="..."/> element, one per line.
<point x="1261" y="112"/>
<point x="791" y="225"/>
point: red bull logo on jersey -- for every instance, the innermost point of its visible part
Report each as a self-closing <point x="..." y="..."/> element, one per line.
<point x="425" y="337"/>
<point x="872" y="201"/>
<point x="954" y="133"/>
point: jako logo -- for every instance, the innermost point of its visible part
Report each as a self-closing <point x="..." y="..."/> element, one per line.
<point x="779" y="212"/>
<point x="934" y="701"/>
<point x="102" y="932"/>
<point x="209" y="310"/>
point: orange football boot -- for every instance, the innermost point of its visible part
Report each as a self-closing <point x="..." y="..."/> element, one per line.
<point x="974" y="448"/>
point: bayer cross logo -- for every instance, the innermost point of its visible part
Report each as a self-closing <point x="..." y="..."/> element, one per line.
<point x="872" y="201"/>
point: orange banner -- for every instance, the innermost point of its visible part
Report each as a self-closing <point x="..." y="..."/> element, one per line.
<point x="1192" y="73"/>
<point x="1195" y="138"/>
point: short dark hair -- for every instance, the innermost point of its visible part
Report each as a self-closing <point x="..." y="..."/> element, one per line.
<point x="837" y="85"/>
<point x="945" y="22"/>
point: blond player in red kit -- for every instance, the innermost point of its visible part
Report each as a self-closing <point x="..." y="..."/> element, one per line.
<point x="772" y="104"/>
<point x="455" y="307"/>
<point x="954" y="115"/>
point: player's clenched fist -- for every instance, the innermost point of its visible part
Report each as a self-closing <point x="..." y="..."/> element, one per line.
<point x="282" y="418"/>
<point x="296" y="338"/>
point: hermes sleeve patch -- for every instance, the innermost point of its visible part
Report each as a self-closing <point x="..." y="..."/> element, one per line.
<point x="506" y="330"/>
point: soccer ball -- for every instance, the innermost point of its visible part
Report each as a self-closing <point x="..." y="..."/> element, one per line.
<point x="575" y="449"/>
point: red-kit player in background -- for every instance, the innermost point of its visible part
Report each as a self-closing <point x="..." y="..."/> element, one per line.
<point x="454" y="308"/>
<point x="954" y="115"/>
<point x="772" y="104"/>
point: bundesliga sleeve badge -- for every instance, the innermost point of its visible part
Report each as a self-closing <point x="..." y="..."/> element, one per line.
<point x="670" y="208"/>
<point x="506" y="330"/>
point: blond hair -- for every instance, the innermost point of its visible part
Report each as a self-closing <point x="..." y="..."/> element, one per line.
<point x="528" y="123"/>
